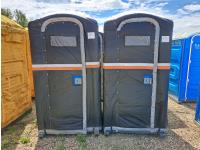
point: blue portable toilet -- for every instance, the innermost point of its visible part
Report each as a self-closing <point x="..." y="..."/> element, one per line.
<point x="185" y="69"/>
<point x="197" y="115"/>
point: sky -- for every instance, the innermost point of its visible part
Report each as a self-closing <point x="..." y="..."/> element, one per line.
<point x="184" y="13"/>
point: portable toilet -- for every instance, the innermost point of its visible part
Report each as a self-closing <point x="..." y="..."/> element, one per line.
<point x="65" y="55"/>
<point x="185" y="69"/>
<point x="136" y="68"/>
<point x="15" y="83"/>
<point x="197" y="115"/>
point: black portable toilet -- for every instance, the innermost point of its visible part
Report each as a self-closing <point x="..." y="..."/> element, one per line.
<point x="66" y="55"/>
<point x="136" y="68"/>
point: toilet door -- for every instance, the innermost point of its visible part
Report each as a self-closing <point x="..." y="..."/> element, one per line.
<point x="65" y="62"/>
<point x="135" y="73"/>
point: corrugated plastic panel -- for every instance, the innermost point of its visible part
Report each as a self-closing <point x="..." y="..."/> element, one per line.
<point x="176" y="52"/>
<point x="16" y="96"/>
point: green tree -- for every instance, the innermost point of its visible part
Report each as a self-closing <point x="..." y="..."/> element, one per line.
<point x="20" y="18"/>
<point x="7" y="12"/>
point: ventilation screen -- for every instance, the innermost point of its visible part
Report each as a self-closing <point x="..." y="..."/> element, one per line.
<point x="61" y="41"/>
<point x="137" y="40"/>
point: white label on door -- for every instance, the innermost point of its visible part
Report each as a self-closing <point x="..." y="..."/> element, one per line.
<point x="91" y="35"/>
<point x="77" y="81"/>
<point x="165" y="39"/>
<point x="147" y="79"/>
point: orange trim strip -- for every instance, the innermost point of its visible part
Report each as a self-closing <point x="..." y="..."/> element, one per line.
<point x="65" y="68"/>
<point x="164" y="67"/>
<point x="104" y="67"/>
<point x="56" y="68"/>
<point x="129" y="67"/>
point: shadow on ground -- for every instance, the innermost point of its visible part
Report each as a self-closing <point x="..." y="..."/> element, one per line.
<point x="191" y="106"/>
<point x="12" y="134"/>
<point x="175" y="122"/>
<point x="19" y="131"/>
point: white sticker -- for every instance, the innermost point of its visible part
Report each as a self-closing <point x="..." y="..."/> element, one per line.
<point x="147" y="79"/>
<point x="91" y="35"/>
<point x="77" y="81"/>
<point x="165" y="39"/>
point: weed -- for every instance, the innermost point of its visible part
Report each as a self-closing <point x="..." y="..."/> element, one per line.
<point x="60" y="145"/>
<point x="10" y="130"/>
<point x="5" y="143"/>
<point x="81" y="139"/>
<point x="34" y="121"/>
<point x="24" y="140"/>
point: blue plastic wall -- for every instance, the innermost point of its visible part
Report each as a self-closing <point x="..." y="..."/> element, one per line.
<point x="197" y="116"/>
<point x="185" y="76"/>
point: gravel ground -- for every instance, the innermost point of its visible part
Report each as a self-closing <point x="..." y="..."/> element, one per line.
<point x="183" y="134"/>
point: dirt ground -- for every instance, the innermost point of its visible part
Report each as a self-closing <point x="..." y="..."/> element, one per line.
<point x="183" y="134"/>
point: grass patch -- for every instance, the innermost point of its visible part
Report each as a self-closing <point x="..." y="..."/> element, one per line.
<point x="81" y="139"/>
<point x="14" y="133"/>
<point x="5" y="143"/>
<point x="24" y="140"/>
<point x="9" y="137"/>
<point x="34" y="121"/>
<point x="10" y="130"/>
<point x="60" y="147"/>
<point x="60" y="143"/>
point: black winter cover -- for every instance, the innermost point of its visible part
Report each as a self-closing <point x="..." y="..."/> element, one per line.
<point x="130" y="58"/>
<point x="57" y="63"/>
